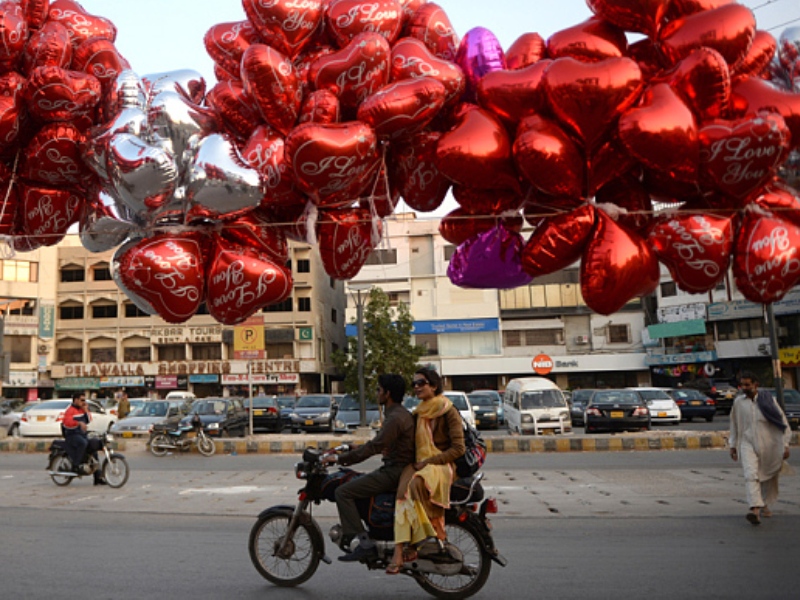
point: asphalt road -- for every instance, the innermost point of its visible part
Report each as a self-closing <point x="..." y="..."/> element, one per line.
<point x="589" y="525"/>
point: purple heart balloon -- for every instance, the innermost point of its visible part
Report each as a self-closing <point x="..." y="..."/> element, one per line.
<point x="490" y="260"/>
<point x="478" y="54"/>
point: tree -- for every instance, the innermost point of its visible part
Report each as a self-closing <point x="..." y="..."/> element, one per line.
<point x="387" y="346"/>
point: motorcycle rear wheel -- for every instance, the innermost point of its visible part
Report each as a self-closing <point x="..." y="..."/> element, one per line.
<point x="206" y="446"/>
<point x="299" y="560"/>
<point x="61" y="463"/>
<point x="116" y="471"/>
<point x="477" y="565"/>
<point x="159" y="445"/>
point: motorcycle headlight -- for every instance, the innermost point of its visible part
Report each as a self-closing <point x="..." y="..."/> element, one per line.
<point x="339" y="424"/>
<point x="213" y="425"/>
<point x="109" y="437"/>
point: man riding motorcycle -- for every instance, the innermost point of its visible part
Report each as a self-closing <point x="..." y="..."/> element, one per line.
<point x="395" y="441"/>
<point x="76" y="423"/>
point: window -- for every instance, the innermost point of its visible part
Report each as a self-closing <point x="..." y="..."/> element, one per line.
<point x="136" y="354"/>
<point x="18" y="347"/>
<point x="532" y="337"/>
<point x="102" y="274"/>
<point x="334" y="315"/>
<point x="202" y="309"/>
<point x="69" y="355"/>
<point x="449" y="250"/>
<point x="72" y="274"/>
<point x="394" y="298"/>
<point x="304" y="265"/>
<point x="104" y="311"/>
<point x="285" y="306"/>
<point x="382" y="257"/>
<point x="133" y="312"/>
<point x="429" y="341"/>
<point x="669" y="289"/>
<point x="278" y="351"/>
<point x="304" y="304"/>
<point x="19" y="270"/>
<point x="103" y="355"/>
<point x="71" y="312"/>
<point x="171" y="352"/>
<point x="512" y="339"/>
<point x="619" y="334"/>
<point x="206" y="352"/>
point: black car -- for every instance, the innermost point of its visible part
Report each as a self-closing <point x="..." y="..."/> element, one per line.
<point x="286" y="405"/>
<point x="266" y="413"/>
<point x="693" y="403"/>
<point x="485" y="409"/>
<point x="720" y="391"/>
<point x="221" y="417"/>
<point x="791" y="401"/>
<point x="577" y="405"/>
<point x="497" y="399"/>
<point x="616" y="410"/>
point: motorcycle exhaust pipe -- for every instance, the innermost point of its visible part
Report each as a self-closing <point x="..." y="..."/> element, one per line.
<point x="63" y="473"/>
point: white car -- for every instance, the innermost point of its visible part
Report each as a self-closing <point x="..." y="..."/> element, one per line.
<point x="461" y="401"/>
<point x="46" y="418"/>
<point x="662" y="407"/>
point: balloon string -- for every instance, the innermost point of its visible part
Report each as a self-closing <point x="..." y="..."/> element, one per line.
<point x="784" y="24"/>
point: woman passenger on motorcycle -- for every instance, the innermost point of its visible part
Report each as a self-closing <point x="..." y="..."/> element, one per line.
<point x="423" y="493"/>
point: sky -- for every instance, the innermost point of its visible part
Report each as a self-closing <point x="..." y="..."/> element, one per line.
<point x="167" y="35"/>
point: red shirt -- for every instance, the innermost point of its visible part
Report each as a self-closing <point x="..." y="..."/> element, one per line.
<point x="75" y="415"/>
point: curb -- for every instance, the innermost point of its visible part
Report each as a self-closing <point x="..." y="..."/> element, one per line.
<point x="506" y="444"/>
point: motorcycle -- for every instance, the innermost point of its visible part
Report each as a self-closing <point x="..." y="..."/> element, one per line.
<point x="114" y="466"/>
<point x="181" y="437"/>
<point x="286" y="544"/>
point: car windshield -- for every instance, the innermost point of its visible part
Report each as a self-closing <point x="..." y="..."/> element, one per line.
<point x="208" y="407"/>
<point x="314" y="402"/>
<point x="151" y="409"/>
<point x="52" y="405"/>
<point x="262" y="402"/>
<point x="286" y="401"/>
<point x="481" y="400"/>
<point x="653" y="395"/>
<point x="350" y="403"/>
<point x="542" y="399"/>
<point x="582" y="395"/>
<point x="616" y="397"/>
<point x="459" y="401"/>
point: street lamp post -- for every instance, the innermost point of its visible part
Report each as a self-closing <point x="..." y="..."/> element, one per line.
<point x="358" y="288"/>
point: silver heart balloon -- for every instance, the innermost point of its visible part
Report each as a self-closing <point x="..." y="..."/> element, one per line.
<point x="187" y="82"/>
<point x="175" y="123"/>
<point x="105" y="223"/>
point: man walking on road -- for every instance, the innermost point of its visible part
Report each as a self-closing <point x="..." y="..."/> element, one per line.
<point x="760" y="436"/>
<point x="395" y="441"/>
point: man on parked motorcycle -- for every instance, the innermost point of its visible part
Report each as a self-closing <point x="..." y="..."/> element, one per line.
<point x="395" y="441"/>
<point x="76" y="423"/>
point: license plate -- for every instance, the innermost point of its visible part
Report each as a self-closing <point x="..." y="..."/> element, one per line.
<point x="662" y="414"/>
<point x="696" y="402"/>
<point x="127" y="434"/>
<point x="477" y="421"/>
<point x="309" y="422"/>
<point x="258" y="413"/>
<point x="617" y="414"/>
<point x="41" y="418"/>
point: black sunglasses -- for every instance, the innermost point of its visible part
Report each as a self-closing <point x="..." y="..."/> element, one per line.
<point x="420" y="382"/>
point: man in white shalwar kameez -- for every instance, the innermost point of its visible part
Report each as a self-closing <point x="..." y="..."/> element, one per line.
<point x="760" y="437"/>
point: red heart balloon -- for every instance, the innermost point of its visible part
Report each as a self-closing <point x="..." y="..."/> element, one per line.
<point x="460" y="225"/>
<point x="703" y="81"/>
<point x="265" y="151"/>
<point x="12" y="107"/>
<point x="257" y="232"/>
<point x="288" y="25"/>
<point x="166" y="271"/>
<point x="617" y="266"/>
<point x="758" y="56"/>
<point x="411" y="59"/>
<point x="36" y="12"/>
<point x="348" y="18"/>
<point x="54" y="157"/>
<point x="766" y="264"/>
<point x="588" y="97"/>
<point x="514" y="95"/>
<point x="728" y="29"/>
<point x="99" y="57"/>
<point x="432" y="26"/>
<point x="414" y="173"/>
<point x="345" y="238"/>
<point x="242" y="281"/>
<point x="590" y="41"/>
<point x="612" y="160"/>
<point x="226" y="43"/>
<point x="643" y="16"/>
<point x="558" y="241"/>
<point x="271" y="81"/>
<point x="8" y="208"/>
<point x="322" y="107"/>
<point x="477" y="152"/>
<point x="48" y="213"/>
<point x="237" y="109"/>
<point x="741" y="156"/>
<point x="487" y="202"/>
<point x="55" y="94"/>
<point x="13" y="34"/>
<point x="332" y="163"/>
<point x="355" y="72"/>
<point x="549" y="159"/>
<point x="752" y="95"/>
<point x="682" y="8"/>
<point x="661" y="132"/>
<point x="629" y="194"/>
<point x="781" y="199"/>
<point x="402" y="108"/>
<point x="646" y="54"/>
<point x="80" y="24"/>
<point x="48" y="46"/>
<point x="383" y="197"/>
<point x="527" y="49"/>
<point x="695" y="248"/>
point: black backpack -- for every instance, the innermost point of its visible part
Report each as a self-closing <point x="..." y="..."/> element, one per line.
<point x="475" y="454"/>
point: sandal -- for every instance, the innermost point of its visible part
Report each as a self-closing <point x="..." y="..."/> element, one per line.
<point x="393" y="569"/>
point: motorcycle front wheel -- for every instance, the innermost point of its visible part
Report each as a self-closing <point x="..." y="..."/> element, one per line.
<point x="115" y="471"/>
<point x="61" y="464"/>
<point x="291" y="566"/>
<point x="159" y="445"/>
<point x="475" y="570"/>
<point x="205" y="445"/>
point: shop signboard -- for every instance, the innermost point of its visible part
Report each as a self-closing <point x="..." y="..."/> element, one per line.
<point x="78" y="383"/>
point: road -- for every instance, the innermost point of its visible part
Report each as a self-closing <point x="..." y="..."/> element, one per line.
<point x="595" y="525"/>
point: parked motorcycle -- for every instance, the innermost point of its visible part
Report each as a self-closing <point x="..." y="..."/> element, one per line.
<point x="113" y="465"/>
<point x="286" y="544"/>
<point x="166" y="437"/>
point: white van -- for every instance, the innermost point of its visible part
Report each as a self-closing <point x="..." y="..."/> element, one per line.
<point x="534" y="405"/>
<point x="179" y="395"/>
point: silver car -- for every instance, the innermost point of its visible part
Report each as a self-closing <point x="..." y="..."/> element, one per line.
<point x="10" y="413"/>
<point x="140" y="421"/>
<point x="348" y="417"/>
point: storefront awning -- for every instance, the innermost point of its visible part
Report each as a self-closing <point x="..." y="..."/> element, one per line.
<point x="681" y="328"/>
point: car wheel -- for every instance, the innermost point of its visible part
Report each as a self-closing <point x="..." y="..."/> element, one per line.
<point x="687" y="419"/>
<point x="587" y="429"/>
<point x="710" y="419"/>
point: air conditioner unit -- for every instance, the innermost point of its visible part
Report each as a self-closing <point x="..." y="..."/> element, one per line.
<point x="581" y="339"/>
